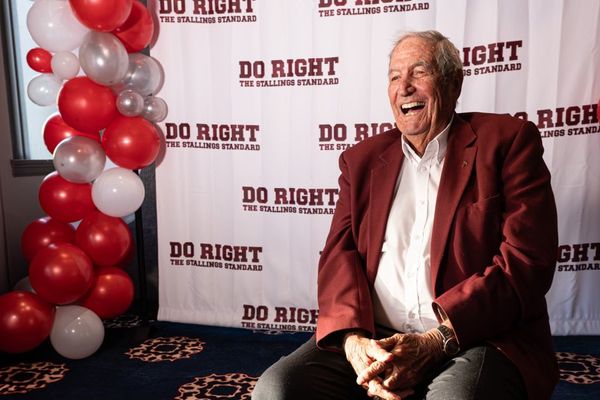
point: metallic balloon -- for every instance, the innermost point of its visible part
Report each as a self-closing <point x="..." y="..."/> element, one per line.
<point x="24" y="285"/>
<point x="144" y="75"/>
<point x="43" y="89"/>
<point x="118" y="192"/>
<point x="79" y="159"/>
<point x="103" y="58"/>
<point x="130" y="103"/>
<point x="155" y="109"/>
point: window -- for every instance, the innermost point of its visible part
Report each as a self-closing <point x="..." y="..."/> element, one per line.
<point x="27" y="118"/>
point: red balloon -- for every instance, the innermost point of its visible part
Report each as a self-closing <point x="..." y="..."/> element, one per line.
<point x="131" y="142"/>
<point x="43" y="232"/>
<point x="137" y="31"/>
<point x="111" y="294"/>
<point x="63" y="200"/>
<point x="39" y="60"/>
<point x="101" y="15"/>
<point x="107" y="240"/>
<point x="25" y="321"/>
<point x="86" y="105"/>
<point x="55" y="130"/>
<point x="61" y="273"/>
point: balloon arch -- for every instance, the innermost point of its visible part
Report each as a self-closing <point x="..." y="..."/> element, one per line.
<point x="77" y="252"/>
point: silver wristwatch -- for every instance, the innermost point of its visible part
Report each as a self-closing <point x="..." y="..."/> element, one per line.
<point x="450" y="344"/>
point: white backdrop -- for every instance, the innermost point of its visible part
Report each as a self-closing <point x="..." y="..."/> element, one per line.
<point x="265" y="94"/>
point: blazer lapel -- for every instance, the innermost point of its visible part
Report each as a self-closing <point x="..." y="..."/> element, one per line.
<point x="383" y="184"/>
<point x="458" y="165"/>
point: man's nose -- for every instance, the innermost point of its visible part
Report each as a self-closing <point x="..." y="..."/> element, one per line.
<point x="405" y="87"/>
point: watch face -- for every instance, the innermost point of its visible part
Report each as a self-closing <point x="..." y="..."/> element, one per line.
<point x="451" y="347"/>
<point x="450" y="343"/>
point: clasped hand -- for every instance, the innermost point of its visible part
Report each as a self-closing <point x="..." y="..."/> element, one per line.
<point x="389" y="368"/>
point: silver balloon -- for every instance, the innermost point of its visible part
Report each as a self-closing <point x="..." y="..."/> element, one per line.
<point x="77" y="332"/>
<point x="79" y="159"/>
<point x="25" y="285"/>
<point x="130" y="103"/>
<point x="43" y="89"/>
<point x="155" y="109"/>
<point x="144" y="75"/>
<point x="103" y="58"/>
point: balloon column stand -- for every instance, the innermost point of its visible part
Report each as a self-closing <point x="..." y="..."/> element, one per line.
<point x="142" y="283"/>
<point x="91" y="66"/>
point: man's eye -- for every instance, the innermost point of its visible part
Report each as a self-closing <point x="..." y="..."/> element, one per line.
<point x="419" y="72"/>
<point x="394" y="78"/>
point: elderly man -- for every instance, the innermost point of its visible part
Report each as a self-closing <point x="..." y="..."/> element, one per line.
<point x="441" y="250"/>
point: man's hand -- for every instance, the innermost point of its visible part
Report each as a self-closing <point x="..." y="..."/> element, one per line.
<point x="369" y="359"/>
<point x="414" y="357"/>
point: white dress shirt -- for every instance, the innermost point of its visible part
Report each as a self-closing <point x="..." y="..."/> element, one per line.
<point x="403" y="292"/>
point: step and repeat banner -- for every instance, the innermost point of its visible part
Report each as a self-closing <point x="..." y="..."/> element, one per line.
<point x="263" y="97"/>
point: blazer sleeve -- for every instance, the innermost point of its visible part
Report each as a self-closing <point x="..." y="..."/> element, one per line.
<point x="511" y="291"/>
<point x="343" y="290"/>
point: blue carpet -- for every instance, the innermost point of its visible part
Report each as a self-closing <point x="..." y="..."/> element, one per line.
<point x="579" y="363"/>
<point x="183" y="361"/>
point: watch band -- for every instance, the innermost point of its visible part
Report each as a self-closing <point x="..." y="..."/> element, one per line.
<point x="450" y="344"/>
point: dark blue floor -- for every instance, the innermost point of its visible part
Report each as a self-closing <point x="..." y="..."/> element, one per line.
<point x="183" y="361"/>
<point x="579" y="363"/>
<point x="111" y="374"/>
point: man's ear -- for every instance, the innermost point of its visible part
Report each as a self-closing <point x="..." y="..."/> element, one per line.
<point x="455" y="87"/>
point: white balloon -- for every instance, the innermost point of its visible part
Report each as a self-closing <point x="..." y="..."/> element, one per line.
<point x="43" y="89"/>
<point x="54" y="27"/>
<point x="65" y="65"/>
<point x="77" y="332"/>
<point x="118" y="192"/>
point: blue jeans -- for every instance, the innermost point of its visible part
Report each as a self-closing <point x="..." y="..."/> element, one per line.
<point x="311" y="374"/>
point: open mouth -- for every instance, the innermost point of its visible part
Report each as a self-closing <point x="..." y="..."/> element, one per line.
<point x="412" y="107"/>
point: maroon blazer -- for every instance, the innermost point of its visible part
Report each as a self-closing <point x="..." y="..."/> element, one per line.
<point x="493" y="248"/>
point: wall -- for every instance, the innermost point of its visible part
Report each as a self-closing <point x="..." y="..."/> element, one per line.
<point x="18" y="198"/>
<point x="263" y="97"/>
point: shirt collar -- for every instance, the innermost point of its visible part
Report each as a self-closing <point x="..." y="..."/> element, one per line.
<point x="436" y="148"/>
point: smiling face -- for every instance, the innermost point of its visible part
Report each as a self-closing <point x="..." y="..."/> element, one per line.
<point x="422" y="107"/>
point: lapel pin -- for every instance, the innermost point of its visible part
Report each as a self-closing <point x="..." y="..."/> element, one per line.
<point x="464" y="163"/>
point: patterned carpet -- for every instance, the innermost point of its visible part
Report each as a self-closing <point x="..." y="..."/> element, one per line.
<point x="181" y="361"/>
